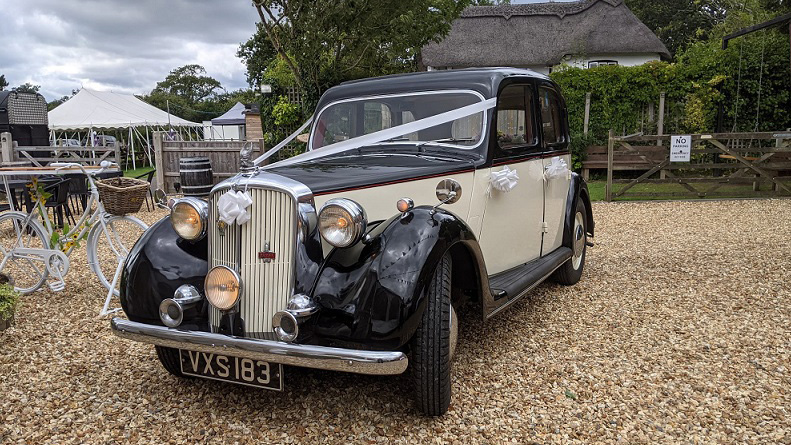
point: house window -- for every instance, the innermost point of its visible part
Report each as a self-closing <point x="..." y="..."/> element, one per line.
<point x="514" y="118"/>
<point x="551" y="122"/>
<point x="595" y="63"/>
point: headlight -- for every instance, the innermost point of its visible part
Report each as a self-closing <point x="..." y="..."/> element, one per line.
<point x="342" y="222"/>
<point x="189" y="217"/>
<point x="223" y="287"/>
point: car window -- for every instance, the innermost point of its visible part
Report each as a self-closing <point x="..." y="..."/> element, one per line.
<point x="514" y="117"/>
<point x="551" y="123"/>
<point x="353" y="118"/>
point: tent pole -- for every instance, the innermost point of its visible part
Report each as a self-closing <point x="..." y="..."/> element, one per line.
<point x="148" y="146"/>
<point x="132" y="144"/>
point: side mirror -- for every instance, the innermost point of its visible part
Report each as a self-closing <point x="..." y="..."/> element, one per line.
<point x="161" y="198"/>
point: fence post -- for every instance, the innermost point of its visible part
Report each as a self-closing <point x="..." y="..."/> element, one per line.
<point x="158" y="160"/>
<point x="661" y="127"/>
<point x="587" y="113"/>
<point x="7" y="147"/>
<point x="610" y="154"/>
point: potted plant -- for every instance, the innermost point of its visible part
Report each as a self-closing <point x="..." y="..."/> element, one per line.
<point x="9" y="298"/>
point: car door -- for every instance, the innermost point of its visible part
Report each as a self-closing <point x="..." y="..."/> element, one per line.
<point x="510" y="233"/>
<point x="556" y="163"/>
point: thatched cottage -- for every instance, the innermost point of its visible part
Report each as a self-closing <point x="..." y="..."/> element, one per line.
<point x="542" y="36"/>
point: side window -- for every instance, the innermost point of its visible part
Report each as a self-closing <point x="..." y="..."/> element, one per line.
<point x="514" y="118"/>
<point x="551" y="122"/>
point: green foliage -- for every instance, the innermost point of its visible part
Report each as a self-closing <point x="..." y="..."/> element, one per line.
<point x="27" y="88"/>
<point x="3" y="82"/>
<point x="9" y="299"/>
<point x="325" y="42"/>
<point x="193" y="95"/>
<point x="285" y="113"/>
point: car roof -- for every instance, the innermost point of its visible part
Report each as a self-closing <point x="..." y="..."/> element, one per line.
<point x="483" y="80"/>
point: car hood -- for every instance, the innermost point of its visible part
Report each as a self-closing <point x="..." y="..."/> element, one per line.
<point x="346" y="172"/>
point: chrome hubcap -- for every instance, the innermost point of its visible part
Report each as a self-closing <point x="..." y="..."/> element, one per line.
<point x="579" y="240"/>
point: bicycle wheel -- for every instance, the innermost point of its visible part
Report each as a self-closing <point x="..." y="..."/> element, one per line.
<point x="108" y="249"/>
<point x="28" y="270"/>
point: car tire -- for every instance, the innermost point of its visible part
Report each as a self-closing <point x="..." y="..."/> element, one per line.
<point x="170" y="360"/>
<point x="433" y="345"/>
<point x="571" y="271"/>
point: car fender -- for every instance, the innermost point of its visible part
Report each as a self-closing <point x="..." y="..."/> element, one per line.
<point x="577" y="190"/>
<point x="372" y="293"/>
<point x="157" y="265"/>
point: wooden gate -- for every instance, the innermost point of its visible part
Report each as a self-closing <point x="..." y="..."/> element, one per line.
<point x="716" y="160"/>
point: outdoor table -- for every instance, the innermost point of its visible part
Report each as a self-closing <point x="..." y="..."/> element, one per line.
<point x="9" y="175"/>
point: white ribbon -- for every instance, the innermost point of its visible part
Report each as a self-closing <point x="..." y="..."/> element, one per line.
<point x="557" y="168"/>
<point x="232" y="206"/>
<point x="383" y="135"/>
<point x="505" y="180"/>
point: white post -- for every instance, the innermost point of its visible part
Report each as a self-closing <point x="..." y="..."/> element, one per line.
<point x="132" y="147"/>
<point x="7" y="147"/>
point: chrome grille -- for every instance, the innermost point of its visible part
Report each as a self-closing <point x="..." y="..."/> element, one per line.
<point x="266" y="287"/>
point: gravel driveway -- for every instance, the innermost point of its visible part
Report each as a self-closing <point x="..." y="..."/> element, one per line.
<point x="680" y="332"/>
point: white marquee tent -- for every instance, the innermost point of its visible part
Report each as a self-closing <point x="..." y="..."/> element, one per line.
<point x="96" y="110"/>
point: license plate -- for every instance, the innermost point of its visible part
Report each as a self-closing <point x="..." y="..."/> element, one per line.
<point x="243" y="371"/>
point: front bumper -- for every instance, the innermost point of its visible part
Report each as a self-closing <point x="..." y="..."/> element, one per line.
<point x="308" y="356"/>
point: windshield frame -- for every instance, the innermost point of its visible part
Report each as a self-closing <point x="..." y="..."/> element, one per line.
<point x="481" y="98"/>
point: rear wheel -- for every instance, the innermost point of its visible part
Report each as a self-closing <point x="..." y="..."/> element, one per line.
<point x="170" y="360"/>
<point x="434" y="344"/>
<point x="571" y="271"/>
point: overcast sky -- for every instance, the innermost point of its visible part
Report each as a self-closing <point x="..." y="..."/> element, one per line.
<point x="124" y="46"/>
<point x="120" y="45"/>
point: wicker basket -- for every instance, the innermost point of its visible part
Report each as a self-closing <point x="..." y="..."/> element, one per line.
<point x="122" y="195"/>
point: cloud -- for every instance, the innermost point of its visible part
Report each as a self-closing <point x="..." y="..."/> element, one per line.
<point x="124" y="46"/>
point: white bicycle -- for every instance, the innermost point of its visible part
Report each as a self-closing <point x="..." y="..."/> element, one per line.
<point x="31" y="253"/>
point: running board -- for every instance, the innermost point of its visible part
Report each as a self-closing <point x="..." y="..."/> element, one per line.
<point x="516" y="282"/>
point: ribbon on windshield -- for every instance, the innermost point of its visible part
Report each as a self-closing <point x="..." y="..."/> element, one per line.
<point x="379" y="136"/>
<point x="282" y="143"/>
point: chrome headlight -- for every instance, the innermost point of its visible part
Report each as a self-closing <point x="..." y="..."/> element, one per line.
<point x="190" y="217"/>
<point x="223" y="287"/>
<point x="342" y="222"/>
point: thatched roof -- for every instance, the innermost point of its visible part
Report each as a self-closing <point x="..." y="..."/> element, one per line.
<point x="541" y="34"/>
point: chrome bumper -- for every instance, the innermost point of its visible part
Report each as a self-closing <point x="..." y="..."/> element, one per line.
<point x="308" y="356"/>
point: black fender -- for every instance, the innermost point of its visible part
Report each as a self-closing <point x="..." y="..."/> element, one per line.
<point x="157" y="265"/>
<point x="577" y="190"/>
<point x="371" y="294"/>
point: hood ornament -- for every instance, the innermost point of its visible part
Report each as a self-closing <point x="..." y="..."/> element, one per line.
<point x="246" y="164"/>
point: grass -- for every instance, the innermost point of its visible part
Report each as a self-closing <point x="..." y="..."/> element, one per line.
<point x="644" y="191"/>
<point x="132" y="173"/>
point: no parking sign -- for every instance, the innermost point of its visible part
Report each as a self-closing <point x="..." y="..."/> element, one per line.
<point x="680" y="148"/>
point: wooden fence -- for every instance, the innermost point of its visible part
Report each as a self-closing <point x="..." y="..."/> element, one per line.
<point x="716" y="160"/>
<point x="41" y="156"/>
<point x="224" y="157"/>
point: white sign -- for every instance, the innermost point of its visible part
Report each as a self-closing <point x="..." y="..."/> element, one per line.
<point x="680" y="148"/>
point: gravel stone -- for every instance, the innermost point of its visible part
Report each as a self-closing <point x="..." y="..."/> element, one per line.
<point x="679" y="332"/>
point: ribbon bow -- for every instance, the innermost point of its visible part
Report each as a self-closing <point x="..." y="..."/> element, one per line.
<point x="505" y="180"/>
<point x="557" y="168"/>
<point x="232" y="206"/>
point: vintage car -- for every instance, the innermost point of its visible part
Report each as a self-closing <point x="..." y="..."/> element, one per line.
<point x="418" y="193"/>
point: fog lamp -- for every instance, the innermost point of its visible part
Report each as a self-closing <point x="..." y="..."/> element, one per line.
<point x="223" y="287"/>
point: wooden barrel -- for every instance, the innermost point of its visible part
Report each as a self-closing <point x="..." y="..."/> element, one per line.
<point x="196" y="176"/>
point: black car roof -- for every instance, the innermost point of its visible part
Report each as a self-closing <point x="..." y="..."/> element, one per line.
<point x="483" y="80"/>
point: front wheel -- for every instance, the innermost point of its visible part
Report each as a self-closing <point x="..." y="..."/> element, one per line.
<point x="108" y="249"/>
<point x="571" y="271"/>
<point x="28" y="270"/>
<point x="434" y="344"/>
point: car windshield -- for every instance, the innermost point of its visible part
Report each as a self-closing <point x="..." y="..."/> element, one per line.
<point x="349" y="119"/>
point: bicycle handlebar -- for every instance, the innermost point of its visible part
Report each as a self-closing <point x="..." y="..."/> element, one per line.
<point x="104" y="165"/>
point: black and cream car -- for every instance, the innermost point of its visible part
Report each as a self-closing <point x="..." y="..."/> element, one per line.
<point x="418" y="193"/>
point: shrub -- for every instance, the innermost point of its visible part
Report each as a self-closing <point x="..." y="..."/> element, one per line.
<point x="9" y="299"/>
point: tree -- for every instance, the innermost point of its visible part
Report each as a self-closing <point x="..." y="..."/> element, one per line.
<point x="57" y="102"/>
<point x="3" y="82"/>
<point x="189" y="93"/>
<point x="27" y="88"/>
<point x="323" y="42"/>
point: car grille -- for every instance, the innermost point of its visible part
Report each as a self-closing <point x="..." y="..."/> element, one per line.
<point x="266" y="286"/>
